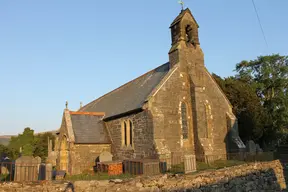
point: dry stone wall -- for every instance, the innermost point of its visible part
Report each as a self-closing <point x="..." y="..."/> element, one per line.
<point x="265" y="176"/>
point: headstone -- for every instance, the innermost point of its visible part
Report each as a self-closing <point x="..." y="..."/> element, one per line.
<point x="27" y="168"/>
<point x="189" y="163"/>
<point x="48" y="172"/>
<point x="60" y="175"/>
<point x="258" y="149"/>
<point x="4" y="169"/>
<point x="105" y="156"/>
<point x="41" y="175"/>
<point x="52" y="158"/>
<point x="251" y="147"/>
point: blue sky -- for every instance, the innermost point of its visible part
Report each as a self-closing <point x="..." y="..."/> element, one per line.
<point x="53" y="51"/>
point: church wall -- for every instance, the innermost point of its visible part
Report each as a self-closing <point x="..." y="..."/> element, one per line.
<point x="166" y="114"/>
<point x="63" y="161"/>
<point x="209" y="102"/>
<point x="142" y="137"/>
<point x="84" y="156"/>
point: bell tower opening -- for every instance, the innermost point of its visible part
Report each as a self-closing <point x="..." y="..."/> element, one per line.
<point x="188" y="32"/>
<point x="184" y="34"/>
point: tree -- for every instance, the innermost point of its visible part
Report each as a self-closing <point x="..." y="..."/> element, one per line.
<point x="41" y="144"/>
<point x="269" y="76"/>
<point x="7" y="152"/>
<point x="27" y="137"/>
<point x="31" y="145"/>
<point x="246" y="106"/>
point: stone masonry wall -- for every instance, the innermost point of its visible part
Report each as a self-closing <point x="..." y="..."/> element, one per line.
<point x="209" y="105"/>
<point x="165" y="110"/>
<point x="142" y="137"/>
<point x="265" y="176"/>
<point x="211" y="127"/>
<point x="83" y="156"/>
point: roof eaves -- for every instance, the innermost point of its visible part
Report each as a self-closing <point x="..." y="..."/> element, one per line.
<point x="137" y="110"/>
<point x="91" y="143"/>
<point x="87" y="113"/>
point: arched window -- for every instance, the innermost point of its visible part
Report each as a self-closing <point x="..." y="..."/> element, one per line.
<point x="124" y="133"/>
<point x="131" y="132"/>
<point x="127" y="133"/>
<point x="184" y="120"/>
<point x="188" y="32"/>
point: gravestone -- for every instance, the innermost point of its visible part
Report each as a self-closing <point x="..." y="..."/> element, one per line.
<point x="41" y="174"/>
<point x="105" y="156"/>
<point x="251" y="147"/>
<point x="258" y="149"/>
<point x="4" y="169"/>
<point x="48" y="172"/>
<point x="189" y="163"/>
<point x="27" y="168"/>
<point x="52" y="157"/>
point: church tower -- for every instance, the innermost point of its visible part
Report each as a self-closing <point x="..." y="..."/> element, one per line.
<point x="186" y="48"/>
<point x="209" y="106"/>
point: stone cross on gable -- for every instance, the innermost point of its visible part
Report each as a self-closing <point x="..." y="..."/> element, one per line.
<point x="181" y="3"/>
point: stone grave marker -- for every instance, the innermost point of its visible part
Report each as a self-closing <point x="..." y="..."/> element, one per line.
<point x="105" y="156"/>
<point x="251" y="147"/>
<point x="27" y="168"/>
<point x="189" y="163"/>
<point x="48" y="172"/>
<point x="258" y="149"/>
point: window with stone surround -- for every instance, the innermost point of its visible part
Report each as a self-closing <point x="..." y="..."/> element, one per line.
<point x="124" y="133"/>
<point x="127" y="133"/>
<point x="184" y="122"/>
<point x="131" y="133"/>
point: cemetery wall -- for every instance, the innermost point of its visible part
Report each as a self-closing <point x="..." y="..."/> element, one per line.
<point x="265" y="176"/>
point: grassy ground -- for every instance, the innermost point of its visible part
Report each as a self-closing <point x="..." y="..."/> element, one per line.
<point x="219" y="164"/>
<point x="204" y="166"/>
<point x="4" y="177"/>
<point x="175" y="169"/>
<point x="96" y="176"/>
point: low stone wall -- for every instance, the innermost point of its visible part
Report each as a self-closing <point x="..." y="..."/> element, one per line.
<point x="264" y="176"/>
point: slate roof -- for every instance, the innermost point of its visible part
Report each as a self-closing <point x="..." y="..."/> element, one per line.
<point x="89" y="129"/>
<point x="130" y="96"/>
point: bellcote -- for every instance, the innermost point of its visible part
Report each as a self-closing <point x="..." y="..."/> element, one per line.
<point x="184" y="28"/>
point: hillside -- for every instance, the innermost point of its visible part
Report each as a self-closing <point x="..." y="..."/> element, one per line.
<point x="4" y="139"/>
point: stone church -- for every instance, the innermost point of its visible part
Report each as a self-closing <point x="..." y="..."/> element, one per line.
<point x="175" y="108"/>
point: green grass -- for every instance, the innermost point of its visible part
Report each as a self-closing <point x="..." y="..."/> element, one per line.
<point x="218" y="164"/>
<point x="177" y="168"/>
<point x="96" y="176"/>
<point x="3" y="177"/>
